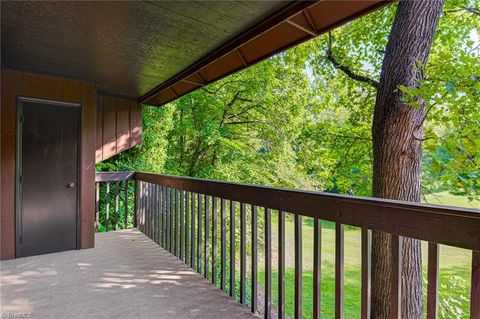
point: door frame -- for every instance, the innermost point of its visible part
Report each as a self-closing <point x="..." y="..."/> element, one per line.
<point x="18" y="167"/>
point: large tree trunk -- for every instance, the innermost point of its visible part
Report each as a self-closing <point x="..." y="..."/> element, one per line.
<point x="397" y="132"/>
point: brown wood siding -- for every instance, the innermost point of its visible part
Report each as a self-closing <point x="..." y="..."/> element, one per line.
<point x="123" y="125"/>
<point x="135" y="123"/>
<point x="109" y="127"/>
<point x="15" y="84"/>
<point x="99" y="129"/>
<point x="119" y="126"/>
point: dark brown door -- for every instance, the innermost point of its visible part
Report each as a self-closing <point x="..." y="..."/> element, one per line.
<point x="47" y="177"/>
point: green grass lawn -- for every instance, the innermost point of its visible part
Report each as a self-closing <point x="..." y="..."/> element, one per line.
<point x="454" y="277"/>
<point x="444" y="198"/>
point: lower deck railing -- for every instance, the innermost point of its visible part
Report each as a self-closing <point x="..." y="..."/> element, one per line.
<point x="114" y="200"/>
<point x="202" y="222"/>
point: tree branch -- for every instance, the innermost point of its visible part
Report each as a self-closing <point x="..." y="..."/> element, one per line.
<point x="244" y="111"/>
<point x="465" y="8"/>
<point x="357" y="77"/>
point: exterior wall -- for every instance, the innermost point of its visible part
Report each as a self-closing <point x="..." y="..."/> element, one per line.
<point x="119" y="126"/>
<point x="13" y="85"/>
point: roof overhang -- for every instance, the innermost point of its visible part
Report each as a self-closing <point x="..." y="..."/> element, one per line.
<point x="295" y="23"/>
<point x="159" y="51"/>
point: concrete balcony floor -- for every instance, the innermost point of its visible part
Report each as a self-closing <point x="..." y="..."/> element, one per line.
<point x="126" y="275"/>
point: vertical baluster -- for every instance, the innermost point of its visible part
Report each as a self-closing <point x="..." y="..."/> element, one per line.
<point x="214" y="241"/>
<point x="232" y="249"/>
<point x="254" y="260"/>
<point x="199" y="235"/>
<point x="107" y="206"/>
<point x="139" y="207"/>
<point x="172" y="220"/>
<point x="395" y="277"/>
<point x="268" y="264"/>
<point x="243" y="252"/>
<point x="145" y="207"/>
<point x="339" y="270"/>
<point x="97" y="205"/>
<point x="153" y="209"/>
<point x="176" y="233"/>
<point x="317" y="267"/>
<point x="125" y="204"/>
<point x="144" y="210"/>
<point x="154" y="212"/>
<point x="366" y="271"/>
<point x="206" y="243"/>
<point x="165" y="217"/>
<point x="169" y="226"/>
<point x="298" y="266"/>
<point x="117" y="195"/>
<point x="182" y="237"/>
<point x="162" y="208"/>
<point x="432" y="289"/>
<point x="158" y="215"/>
<point x="281" y="265"/>
<point x="136" y="203"/>
<point x="149" y="211"/>
<point x="187" y="233"/>
<point x="223" y="240"/>
<point x="192" y="231"/>
<point x="475" y="286"/>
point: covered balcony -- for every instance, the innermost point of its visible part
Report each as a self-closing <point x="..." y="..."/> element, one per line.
<point x="83" y="244"/>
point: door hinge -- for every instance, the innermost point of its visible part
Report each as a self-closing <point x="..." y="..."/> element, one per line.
<point x="20" y="178"/>
<point x="21" y="118"/>
<point x="20" y="239"/>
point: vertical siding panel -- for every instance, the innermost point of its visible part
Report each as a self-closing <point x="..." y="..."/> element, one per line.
<point x="12" y="84"/>
<point x="135" y="123"/>
<point x="123" y="124"/>
<point x="99" y="130"/>
<point x="68" y="89"/>
<point x="32" y="85"/>
<point x="109" y="127"/>
<point x="87" y="176"/>
<point x="53" y="88"/>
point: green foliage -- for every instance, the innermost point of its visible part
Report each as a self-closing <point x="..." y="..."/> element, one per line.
<point x="451" y="304"/>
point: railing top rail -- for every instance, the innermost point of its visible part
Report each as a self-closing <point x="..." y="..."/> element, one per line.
<point x="453" y="226"/>
<point x="113" y="176"/>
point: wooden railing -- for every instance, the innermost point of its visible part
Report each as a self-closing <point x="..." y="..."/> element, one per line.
<point x="189" y="217"/>
<point x="112" y="190"/>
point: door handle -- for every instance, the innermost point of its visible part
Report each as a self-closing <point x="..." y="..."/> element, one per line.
<point x="71" y="185"/>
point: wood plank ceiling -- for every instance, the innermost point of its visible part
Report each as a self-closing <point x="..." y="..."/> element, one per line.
<point x="157" y="51"/>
